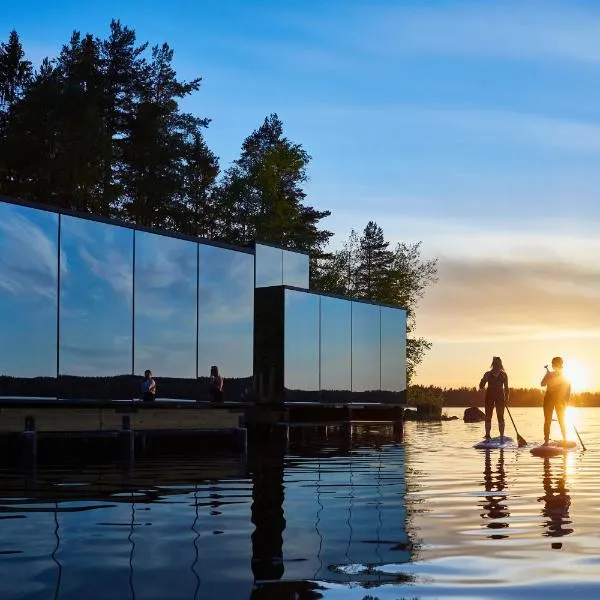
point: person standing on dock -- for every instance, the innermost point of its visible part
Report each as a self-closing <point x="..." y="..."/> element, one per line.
<point x="148" y="387"/>
<point x="558" y="394"/>
<point x="496" y="395"/>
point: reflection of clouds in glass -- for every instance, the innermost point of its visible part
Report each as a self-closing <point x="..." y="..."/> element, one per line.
<point x="28" y="251"/>
<point x="366" y="348"/>
<point x="268" y="265"/>
<point x="225" y="311"/>
<point x="165" y="305"/>
<point x="295" y="269"/>
<point x="96" y="298"/>
<point x="225" y="297"/>
<point x="103" y="250"/>
<point x="335" y="344"/>
<point x="393" y="349"/>
<point x="301" y="341"/>
<point x="165" y="271"/>
<point x="28" y="291"/>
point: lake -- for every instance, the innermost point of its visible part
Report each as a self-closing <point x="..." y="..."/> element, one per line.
<point x="313" y="513"/>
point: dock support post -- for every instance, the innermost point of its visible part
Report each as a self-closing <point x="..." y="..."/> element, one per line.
<point x="127" y="440"/>
<point x="29" y="442"/>
<point x="398" y="431"/>
<point x="242" y="439"/>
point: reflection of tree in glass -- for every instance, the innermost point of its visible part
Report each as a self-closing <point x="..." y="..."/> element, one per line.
<point x="556" y="501"/>
<point x="495" y="483"/>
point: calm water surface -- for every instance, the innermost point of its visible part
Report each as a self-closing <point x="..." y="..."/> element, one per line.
<point x="324" y="513"/>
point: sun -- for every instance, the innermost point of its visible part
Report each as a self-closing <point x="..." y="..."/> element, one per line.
<point x="577" y="374"/>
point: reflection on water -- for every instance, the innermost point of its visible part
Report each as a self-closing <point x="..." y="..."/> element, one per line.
<point x="494" y="503"/>
<point x="556" y="499"/>
<point x="312" y="512"/>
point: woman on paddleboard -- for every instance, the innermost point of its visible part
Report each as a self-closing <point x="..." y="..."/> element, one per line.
<point x="496" y="395"/>
<point x="558" y="394"/>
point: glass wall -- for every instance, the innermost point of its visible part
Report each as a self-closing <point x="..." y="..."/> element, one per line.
<point x="269" y="265"/>
<point x="166" y="273"/>
<point x="366" y="336"/>
<point x="296" y="269"/>
<point x="28" y="301"/>
<point x="336" y="352"/>
<point x="225" y="318"/>
<point x="393" y="349"/>
<point x="96" y="312"/>
<point x="301" y="344"/>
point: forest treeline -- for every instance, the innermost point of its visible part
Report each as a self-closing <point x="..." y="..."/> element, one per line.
<point x="465" y="396"/>
<point x="99" y="129"/>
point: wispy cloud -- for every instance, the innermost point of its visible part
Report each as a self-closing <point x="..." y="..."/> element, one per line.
<point x="494" y="299"/>
<point x="492" y="29"/>
<point x="28" y="254"/>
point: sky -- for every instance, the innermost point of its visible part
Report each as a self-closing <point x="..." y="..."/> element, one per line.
<point x="472" y="127"/>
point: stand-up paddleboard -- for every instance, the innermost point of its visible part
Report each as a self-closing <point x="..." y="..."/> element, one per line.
<point x="554" y="448"/>
<point x="494" y="443"/>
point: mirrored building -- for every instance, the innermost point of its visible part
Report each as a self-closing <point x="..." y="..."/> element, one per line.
<point x="87" y="304"/>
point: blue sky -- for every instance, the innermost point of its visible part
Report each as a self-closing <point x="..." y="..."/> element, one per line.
<point x="472" y="126"/>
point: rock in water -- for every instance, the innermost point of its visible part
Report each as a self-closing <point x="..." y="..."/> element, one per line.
<point x="473" y="415"/>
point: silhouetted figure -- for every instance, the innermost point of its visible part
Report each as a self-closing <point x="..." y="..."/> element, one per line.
<point x="495" y="483"/>
<point x="148" y="387"/>
<point x="215" y="385"/>
<point x="556" y="501"/>
<point x="558" y="393"/>
<point x="496" y="395"/>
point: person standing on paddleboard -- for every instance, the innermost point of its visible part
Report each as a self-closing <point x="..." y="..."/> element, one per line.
<point x="496" y="395"/>
<point x="558" y="394"/>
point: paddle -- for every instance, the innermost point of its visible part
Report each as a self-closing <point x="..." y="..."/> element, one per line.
<point x="580" y="440"/>
<point x="521" y="441"/>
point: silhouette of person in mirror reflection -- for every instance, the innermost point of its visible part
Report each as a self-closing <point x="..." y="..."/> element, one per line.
<point x="148" y="387"/>
<point x="556" y="501"/>
<point x="558" y="394"/>
<point x="496" y="395"/>
<point x="494" y="482"/>
<point x="215" y="385"/>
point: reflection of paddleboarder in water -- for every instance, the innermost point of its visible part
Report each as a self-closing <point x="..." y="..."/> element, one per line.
<point x="558" y="393"/>
<point x="496" y="395"/>
<point x="495" y="483"/>
<point x="556" y="501"/>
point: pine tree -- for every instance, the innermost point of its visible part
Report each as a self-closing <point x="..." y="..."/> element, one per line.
<point x="374" y="263"/>
<point x="262" y="192"/>
<point x="15" y="76"/>
<point x="153" y="171"/>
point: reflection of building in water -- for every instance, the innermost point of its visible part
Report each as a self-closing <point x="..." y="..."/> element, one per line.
<point x="343" y="517"/>
<point x="494" y="507"/>
<point x="556" y="500"/>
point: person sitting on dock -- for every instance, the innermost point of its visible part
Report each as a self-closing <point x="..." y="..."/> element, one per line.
<point x="215" y="385"/>
<point x="148" y="387"/>
<point x="558" y="394"/>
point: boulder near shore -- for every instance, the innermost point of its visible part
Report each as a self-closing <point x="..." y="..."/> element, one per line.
<point x="473" y="415"/>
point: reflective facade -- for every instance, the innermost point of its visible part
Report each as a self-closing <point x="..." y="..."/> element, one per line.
<point x="225" y="318"/>
<point x="393" y="344"/>
<point x="276" y="266"/>
<point x="366" y="347"/>
<point x="28" y="301"/>
<point x="95" y="310"/>
<point x="329" y="349"/>
<point x="165" y="300"/>
<point x="296" y="269"/>
<point x="268" y="265"/>
<point x="336" y="349"/>
<point x="86" y="306"/>
<point x="301" y="342"/>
